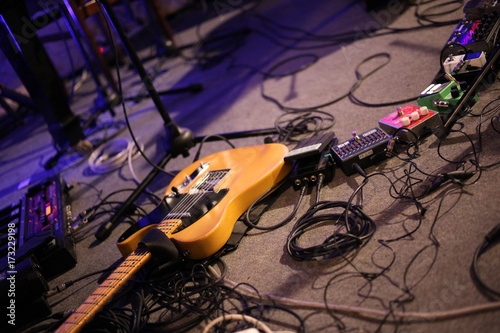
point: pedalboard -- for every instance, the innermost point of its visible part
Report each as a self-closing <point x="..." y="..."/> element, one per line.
<point x="419" y="120"/>
<point x="311" y="160"/>
<point x="362" y="149"/>
<point x="35" y="246"/>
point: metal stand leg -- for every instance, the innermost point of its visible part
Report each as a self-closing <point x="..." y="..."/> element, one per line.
<point x="178" y="140"/>
<point x="72" y="19"/>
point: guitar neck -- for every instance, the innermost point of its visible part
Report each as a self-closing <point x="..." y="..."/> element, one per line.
<point x="94" y="303"/>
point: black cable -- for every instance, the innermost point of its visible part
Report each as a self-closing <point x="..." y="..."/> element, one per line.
<point x="124" y="108"/>
<point x="361" y="78"/>
<point x="334" y="40"/>
<point x="412" y="147"/>
<point x="253" y="224"/>
<point x="359" y="229"/>
<point x="259" y="311"/>
<point x="494" y="109"/>
<point x="442" y="54"/>
<point x="270" y="73"/>
<point x="302" y="123"/>
<point x="198" y="152"/>
<point x="491" y="238"/>
<point x="427" y="16"/>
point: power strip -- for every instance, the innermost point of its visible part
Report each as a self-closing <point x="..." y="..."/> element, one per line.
<point x="420" y="120"/>
<point x="364" y="150"/>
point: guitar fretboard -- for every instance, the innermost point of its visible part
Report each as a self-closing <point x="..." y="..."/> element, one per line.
<point x="87" y="310"/>
<point x="128" y="268"/>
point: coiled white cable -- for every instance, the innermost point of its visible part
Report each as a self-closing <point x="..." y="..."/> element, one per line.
<point x="243" y="317"/>
<point x="111" y="155"/>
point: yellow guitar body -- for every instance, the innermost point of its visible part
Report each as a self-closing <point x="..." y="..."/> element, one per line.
<point x="251" y="172"/>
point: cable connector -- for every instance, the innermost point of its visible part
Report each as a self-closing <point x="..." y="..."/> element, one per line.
<point x="359" y="170"/>
<point x="458" y="175"/>
<point x="390" y="146"/>
<point x="454" y="176"/>
<point x="59" y="288"/>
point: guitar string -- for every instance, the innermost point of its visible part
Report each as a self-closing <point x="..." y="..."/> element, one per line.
<point x="186" y="203"/>
<point x="183" y="206"/>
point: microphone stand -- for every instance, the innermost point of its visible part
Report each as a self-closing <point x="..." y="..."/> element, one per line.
<point x="178" y="140"/>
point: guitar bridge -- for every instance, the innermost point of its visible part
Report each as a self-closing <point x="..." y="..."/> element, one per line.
<point x="199" y="170"/>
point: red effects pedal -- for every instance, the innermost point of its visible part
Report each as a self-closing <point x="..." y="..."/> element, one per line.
<point x="418" y="120"/>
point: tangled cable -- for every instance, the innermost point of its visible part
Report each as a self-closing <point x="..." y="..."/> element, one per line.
<point x="358" y="229"/>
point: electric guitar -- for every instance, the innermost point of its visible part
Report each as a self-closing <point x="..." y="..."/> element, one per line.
<point x="200" y="208"/>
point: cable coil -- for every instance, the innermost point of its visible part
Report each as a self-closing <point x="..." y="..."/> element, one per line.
<point x="111" y="155"/>
<point x="359" y="229"/>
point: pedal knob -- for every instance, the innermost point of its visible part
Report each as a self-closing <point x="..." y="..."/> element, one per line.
<point x="423" y="111"/>
<point x="400" y="112"/>
<point x="405" y="120"/>
<point x="355" y="136"/>
<point x="415" y="116"/>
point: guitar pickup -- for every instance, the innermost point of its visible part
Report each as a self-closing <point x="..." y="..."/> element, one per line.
<point x="178" y="216"/>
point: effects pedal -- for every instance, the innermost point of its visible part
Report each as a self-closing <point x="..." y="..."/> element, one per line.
<point x="364" y="150"/>
<point x="314" y="145"/>
<point x="310" y="169"/>
<point x="420" y="120"/>
<point x="38" y="226"/>
<point x="474" y="35"/>
<point x="443" y="97"/>
<point x="311" y="160"/>
<point x="464" y="66"/>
